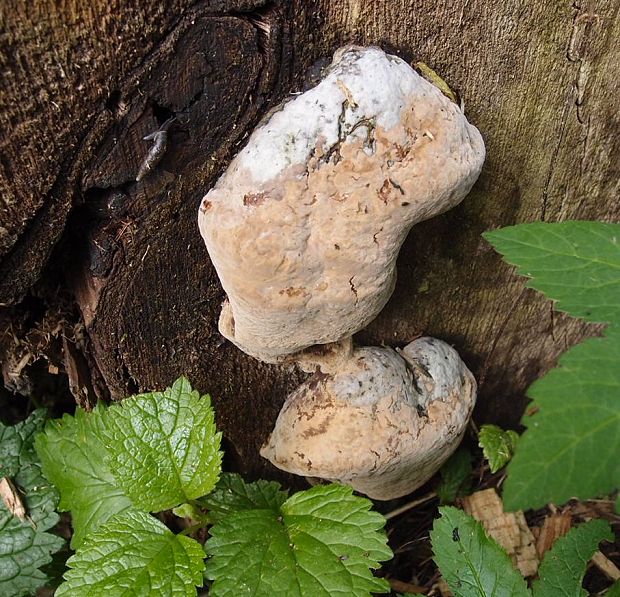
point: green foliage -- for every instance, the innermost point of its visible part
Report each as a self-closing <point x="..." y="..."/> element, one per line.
<point x="497" y="445"/>
<point x="159" y="450"/>
<point x="163" y="448"/>
<point x="319" y="542"/>
<point x="570" y="447"/>
<point x="564" y="566"/>
<point x="576" y="264"/>
<point x="233" y="494"/>
<point x="25" y="546"/>
<point x="74" y="460"/>
<point x="472" y="564"/>
<point x="96" y="459"/>
<point x="455" y="476"/>
<point x="134" y="554"/>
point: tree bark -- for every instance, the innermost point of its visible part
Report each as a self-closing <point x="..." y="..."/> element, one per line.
<point x="84" y="83"/>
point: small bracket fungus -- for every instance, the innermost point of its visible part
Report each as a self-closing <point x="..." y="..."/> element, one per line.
<point x="305" y="225"/>
<point x="384" y="423"/>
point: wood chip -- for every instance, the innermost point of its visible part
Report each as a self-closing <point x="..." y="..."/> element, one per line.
<point x="11" y="498"/>
<point x="443" y="588"/>
<point x="606" y="566"/>
<point x="509" y="529"/>
<point x="554" y="527"/>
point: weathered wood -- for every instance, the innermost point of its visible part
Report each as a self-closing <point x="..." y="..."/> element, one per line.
<point x="84" y="85"/>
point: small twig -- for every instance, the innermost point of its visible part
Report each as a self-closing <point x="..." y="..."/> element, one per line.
<point x="606" y="566"/>
<point x="410" y="505"/>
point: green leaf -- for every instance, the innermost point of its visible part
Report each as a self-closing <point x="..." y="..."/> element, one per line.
<point x="564" y="566"/>
<point x="455" y="476"/>
<point x="16" y="441"/>
<point x="575" y="263"/>
<point x="193" y="512"/>
<point x="322" y="542"/>
<point x="134" y="554"/>
<point x="497" y="445"/>
<point x="24" y="545"/>
<point x="472" y="564"/>
<point x="163" y="446"/>
<point x="571" y="446"/>
<point x="233" y="494"/>
<point x="73" y="458"/>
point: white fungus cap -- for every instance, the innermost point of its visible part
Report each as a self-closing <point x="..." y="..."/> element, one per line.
<point x="383" y="423"/>
<point x="305" y="225"/>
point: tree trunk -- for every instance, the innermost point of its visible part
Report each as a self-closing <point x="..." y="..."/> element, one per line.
<point x="83" y="83"/>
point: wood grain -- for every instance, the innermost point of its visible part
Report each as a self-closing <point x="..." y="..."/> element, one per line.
<point x="83" y="84"/>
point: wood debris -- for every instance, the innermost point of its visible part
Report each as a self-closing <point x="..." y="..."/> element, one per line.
<point x="554" y="527"/>
<point x="606" y="566"/>
<point x="10" y="497"/>
<point x="509" y="529"/>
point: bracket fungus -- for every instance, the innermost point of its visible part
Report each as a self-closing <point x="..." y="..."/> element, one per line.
<point x="383" y="423"/>
<point x="305" y="225"/>
<point x="304" y="229"/>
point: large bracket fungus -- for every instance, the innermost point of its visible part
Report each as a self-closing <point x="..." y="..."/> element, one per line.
<point x="304" y="229"/>
<point x="305" y="225"/>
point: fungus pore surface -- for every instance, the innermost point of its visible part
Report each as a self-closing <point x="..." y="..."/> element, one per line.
<point x="305" y="225"/>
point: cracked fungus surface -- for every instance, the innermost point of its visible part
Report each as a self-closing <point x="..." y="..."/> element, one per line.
<point x="305" y="225"/>
<point x="384" y="423"/>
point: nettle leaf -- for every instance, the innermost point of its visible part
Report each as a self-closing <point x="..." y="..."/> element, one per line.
<point x="322" y="542"/>
<point x="572" y="444"/>
<point x="564" y="566"/>
<point x="16" y="442"/>
<point x="455" y="476"/>
<point x="73" y="458"/>
<point x="576" y="264"/>
<point x="134" y="554"/>
<point x="163" y="446"/>
<point x="25" y="546"/>
<point x="233" y="494"/>
<point x="472" y="564"/>
<point x="498" y="446"/>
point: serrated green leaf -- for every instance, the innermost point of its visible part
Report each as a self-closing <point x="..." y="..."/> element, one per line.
<point x="24" y="545"/>
<point x="163" y="446"/>
<point x="322" y="543"/>
<point x="16" y="441"/>
<point x="134" y="554"/>
<point x="233" y="494"/>
<point x="497" y="445"/>
<point x="561" y="572"/>
<point x="455" y="476"/>
<point x="472" y="564"/>
<point x="575" y="263"/>
<point x="571" y="446"/>
<point x="73" y="458"/>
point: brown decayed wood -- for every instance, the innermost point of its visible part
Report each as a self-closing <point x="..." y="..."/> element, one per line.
<point x="83" y="83"/>
<point x="509" y="529"/>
